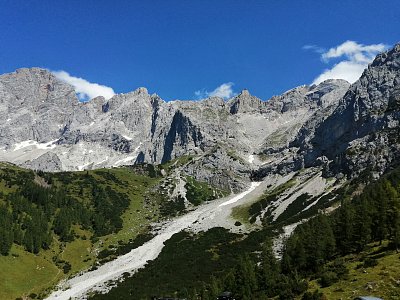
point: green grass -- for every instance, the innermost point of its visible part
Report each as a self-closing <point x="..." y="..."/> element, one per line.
<point x="137" y="217"/>
<point x="23" y="273"/>
<point x="79" y="253"/>
<point x="177" y="162"/>
<point x="241" y="213"/>
<point x="382" y="280"/>
<point x="199" y="192"/>
<point x="247" y="213"/>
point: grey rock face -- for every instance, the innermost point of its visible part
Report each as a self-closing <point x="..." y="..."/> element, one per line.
<point x="245" y="103"/>
<point x="47" y="127"/>
<point x="48" y="162"/>
<point x="342" y="127"/>
<point x="362" y="132"/>
<point x="34" y="106"/>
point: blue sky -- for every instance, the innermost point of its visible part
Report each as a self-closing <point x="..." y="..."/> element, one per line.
<point x="187" y="49"/>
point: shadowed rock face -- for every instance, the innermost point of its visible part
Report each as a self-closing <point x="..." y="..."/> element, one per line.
<point x="362" y="132"/>
<point x="46" y="127"/>
<point x="180" y="134"/>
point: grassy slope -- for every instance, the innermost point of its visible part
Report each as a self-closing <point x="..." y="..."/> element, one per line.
<point x="137" y="216"/>
<point x="23" y="273"/>
<point x="243" y="213"/>
<point x="382" y="280"/>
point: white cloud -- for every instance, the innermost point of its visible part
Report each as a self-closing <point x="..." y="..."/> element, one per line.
<point x="314" y="48"/>
<point x="225" y="91"/>
<point x="356" y="58"/>
<point x="86" y="90"/>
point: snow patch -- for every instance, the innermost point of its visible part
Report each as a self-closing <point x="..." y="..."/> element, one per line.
<point x="241" y="195"/>
<point x="251" y="158"/>
<point x="83" y="167"/>
<point x="124" y="160"/>
<point x="30" y="143"/>
<point x="129" y="158"/>
<point x="127" y="138"/>
<point x="100" y="162"/>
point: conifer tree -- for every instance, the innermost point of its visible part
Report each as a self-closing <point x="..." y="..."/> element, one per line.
<point x="269" y="270"/>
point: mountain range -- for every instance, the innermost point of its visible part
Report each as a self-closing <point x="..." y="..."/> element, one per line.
<point x="344" y="128"/>
<point x="159" y="174"/>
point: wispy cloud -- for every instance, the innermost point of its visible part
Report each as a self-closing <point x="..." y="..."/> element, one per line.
<point x="314" y="48"/>
<point x="355" y="58"/>
<point x="225" y="91"/>
<point x="86" y="90"/>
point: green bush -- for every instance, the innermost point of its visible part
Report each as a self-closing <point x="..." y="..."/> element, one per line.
<point x="328" y="278"/>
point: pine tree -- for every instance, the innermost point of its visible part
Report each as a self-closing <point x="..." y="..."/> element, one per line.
<point x="214" y="288"/>
<point x="245" y="279"/>
<point x="294" y="255"/>
<point x="344" y="228"/>
<point x="363" y="223"/>
<point x="269" y="269"/>
<point x="383" y="191"/>
<point x="6" y="232"/>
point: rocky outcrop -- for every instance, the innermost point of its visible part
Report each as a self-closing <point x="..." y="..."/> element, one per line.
<point x="246" y="103"/>
<point x="48" y="162"/>
<point x="362" y="132"/>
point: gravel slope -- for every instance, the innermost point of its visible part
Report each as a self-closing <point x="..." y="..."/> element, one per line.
<point x="212" y="214"/>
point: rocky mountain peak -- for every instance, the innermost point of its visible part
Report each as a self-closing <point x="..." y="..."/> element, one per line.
<point x="140" y="91"/>
<point x="244" y="93"/>
<point x="244" y="102"/>
<point x="355" y="136"/>
<point x="390" y="58"/>
<point x="47" y="125"/>
<point x="35" y="86"/>
<point x="328" y="92"/>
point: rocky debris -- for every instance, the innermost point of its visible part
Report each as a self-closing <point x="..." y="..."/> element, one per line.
<point x="48" y="162"/>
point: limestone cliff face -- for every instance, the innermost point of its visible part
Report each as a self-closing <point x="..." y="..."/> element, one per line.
<point x="33" y="106"/>
<point x="362" y="132"/>
<point x="344" y="128"/>
<point x="46" y="127"/>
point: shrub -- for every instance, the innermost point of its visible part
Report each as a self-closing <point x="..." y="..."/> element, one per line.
<point x="328" y="278"/>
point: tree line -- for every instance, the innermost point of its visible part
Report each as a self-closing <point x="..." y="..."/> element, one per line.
<point x="31" y="213"/>
<point x="316" y="248"/>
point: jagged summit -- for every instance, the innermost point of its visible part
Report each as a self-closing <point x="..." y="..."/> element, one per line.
<point x="61" y="133"/>
<point x="46" y="127"/>
<point x="244" y="102"/>
<point x="362" y="131"/>
<point x="389" y="58"/>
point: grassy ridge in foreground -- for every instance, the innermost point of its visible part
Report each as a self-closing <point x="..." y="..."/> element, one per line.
<point x="375" y="271"/>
